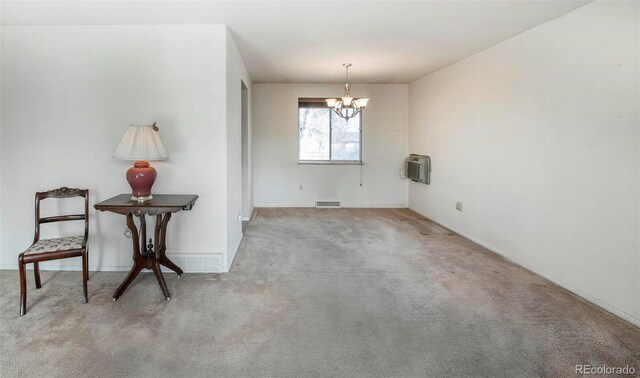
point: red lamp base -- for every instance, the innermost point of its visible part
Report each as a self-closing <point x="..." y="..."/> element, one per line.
<point x="141" y="178"/>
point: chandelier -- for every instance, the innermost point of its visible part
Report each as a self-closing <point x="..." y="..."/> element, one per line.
<point x="347" y="107"/>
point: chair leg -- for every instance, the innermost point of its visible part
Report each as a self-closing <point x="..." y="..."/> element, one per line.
<point x="85" y="275"/>
<point x="87" y="250"/>
<point x="36" y="273"/>
<point x="23" y="285"/>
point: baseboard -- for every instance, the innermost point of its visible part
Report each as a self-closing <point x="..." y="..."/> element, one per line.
<point x="188" y="262"/>
<point x="251" y="216"/>
<point x="395" y="206"/>
<point x="610" y="308"/>
<point x="227" y="268"/>
<point x="197" y="263"/>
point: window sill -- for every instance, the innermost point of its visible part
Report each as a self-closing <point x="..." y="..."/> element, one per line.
<point x="329" y="162"/>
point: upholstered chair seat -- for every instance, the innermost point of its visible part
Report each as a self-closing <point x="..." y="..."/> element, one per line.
<point x="57" y="244"/>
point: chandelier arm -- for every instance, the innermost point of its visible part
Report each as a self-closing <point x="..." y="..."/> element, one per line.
<point x="346" y="116"/>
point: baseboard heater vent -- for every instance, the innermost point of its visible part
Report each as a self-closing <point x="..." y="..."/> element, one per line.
<point x="328" y="204"/>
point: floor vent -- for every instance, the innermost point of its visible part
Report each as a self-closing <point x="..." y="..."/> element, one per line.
<point x="328" y="204"/>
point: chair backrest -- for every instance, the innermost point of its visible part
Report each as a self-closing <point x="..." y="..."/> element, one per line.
<point x="63" y="192"/>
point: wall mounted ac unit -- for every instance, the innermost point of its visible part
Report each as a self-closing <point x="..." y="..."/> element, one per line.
<point x="418" y="168"/>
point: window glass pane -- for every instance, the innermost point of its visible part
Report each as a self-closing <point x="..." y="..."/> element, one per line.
<point x="345" y="140"/>
<point x="314" y="133"/>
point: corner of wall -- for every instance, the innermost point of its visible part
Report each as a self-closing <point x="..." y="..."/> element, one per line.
<point x="235" y="72"/>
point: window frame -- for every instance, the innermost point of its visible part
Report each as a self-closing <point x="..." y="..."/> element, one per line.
<point x="331" y="114"/>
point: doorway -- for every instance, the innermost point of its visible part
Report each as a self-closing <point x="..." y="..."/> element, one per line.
<point x="246" y="179"/>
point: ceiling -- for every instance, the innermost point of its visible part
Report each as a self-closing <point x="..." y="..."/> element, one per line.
<point x="307" y="41"/>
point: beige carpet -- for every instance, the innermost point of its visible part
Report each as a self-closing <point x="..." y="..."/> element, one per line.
<point x="344" y="292"/>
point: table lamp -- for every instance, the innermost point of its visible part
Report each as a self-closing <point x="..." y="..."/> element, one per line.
<point x="141" y="143"/>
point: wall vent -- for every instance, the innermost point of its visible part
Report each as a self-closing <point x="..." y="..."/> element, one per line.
<point x="328" y="204"/>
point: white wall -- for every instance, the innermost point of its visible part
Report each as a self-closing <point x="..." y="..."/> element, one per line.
<point x="277" y="174"/>
<point x="538" y="136"/>
<point x="236" y="74"/>
<point x="1" y="212"/>
<point x="69" y="93"/>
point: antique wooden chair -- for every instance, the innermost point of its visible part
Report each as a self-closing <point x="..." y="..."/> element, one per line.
<point x="58" y="248"/>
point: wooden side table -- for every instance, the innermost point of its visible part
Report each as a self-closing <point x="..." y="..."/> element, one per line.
<point x="148" y="256"/>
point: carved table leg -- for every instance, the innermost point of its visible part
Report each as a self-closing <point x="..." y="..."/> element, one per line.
<point x="161" y="243"/>
<point x="163" y="285"/>
<point x="149" y="257"/>
<point x="146" y="255"/>
<point x="139" y="262"/>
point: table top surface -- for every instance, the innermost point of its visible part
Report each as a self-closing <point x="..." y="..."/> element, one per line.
<point x="178" y="201"/>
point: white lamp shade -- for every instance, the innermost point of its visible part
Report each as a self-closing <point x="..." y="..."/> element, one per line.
<point x="347" y="101"/>
<point x="362" y="102"/>
<point x="331" y="102"/>
<point x="141" y="142"/>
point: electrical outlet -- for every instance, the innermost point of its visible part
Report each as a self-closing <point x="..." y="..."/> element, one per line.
<point x="300" y="187"/>
<point x="459" y="206"/>
<point x="239" y="217"/>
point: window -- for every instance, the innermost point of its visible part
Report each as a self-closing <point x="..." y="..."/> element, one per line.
<point x="324" y="137"/>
